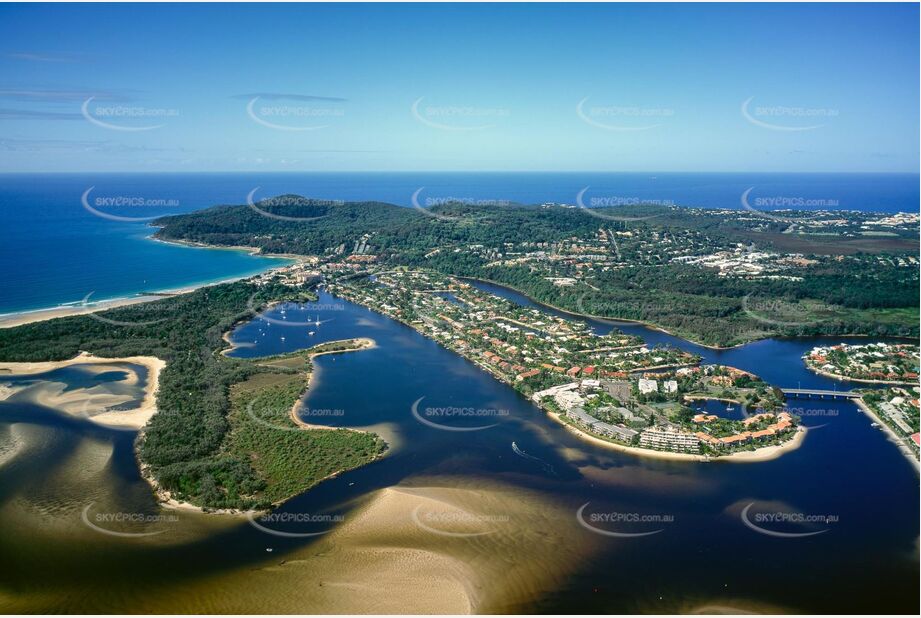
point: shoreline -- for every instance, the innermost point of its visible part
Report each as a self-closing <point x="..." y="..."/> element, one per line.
<point x="255" y="251"/>
<point x="904" y="448"/>
<point x="610" y="321"/>
<point x="135" y="418"/>
<point x="364" y="343"/>
<point x="654" y="327"/>
<point x="764" y="453"/>
<point x="700" y="397"/>
<point x="166" y="501"/>
<point x="30" y="316"/>
<point x="841" y="378"/>
<point x="165" y="498"/>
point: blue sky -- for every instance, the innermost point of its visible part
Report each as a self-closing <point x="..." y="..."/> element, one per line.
<point x="652" y="87"/>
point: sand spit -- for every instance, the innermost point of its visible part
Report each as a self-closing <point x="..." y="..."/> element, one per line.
<point x="407" y="549"/>
<point x="76" y="402"/>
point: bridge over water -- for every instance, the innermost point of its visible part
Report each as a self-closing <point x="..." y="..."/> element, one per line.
<point x="813" y="393"/>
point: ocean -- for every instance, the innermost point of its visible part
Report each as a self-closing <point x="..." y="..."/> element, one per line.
<point x="55" y="251"/>
<point x="536" y="486"/>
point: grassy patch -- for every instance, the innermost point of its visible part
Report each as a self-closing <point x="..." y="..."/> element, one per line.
<point x="290" y="459"/>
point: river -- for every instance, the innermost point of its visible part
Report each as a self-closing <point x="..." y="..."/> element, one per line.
<point x="615" y="533"/>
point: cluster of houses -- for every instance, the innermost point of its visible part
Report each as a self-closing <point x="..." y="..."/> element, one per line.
<point x="669" y="438"/>
<point x="783" y="422"/>
<point x="871" y="361"/>
<point x="663" y="435"/>
<point x="893" y="410"/>
<point x="300" y="273"/>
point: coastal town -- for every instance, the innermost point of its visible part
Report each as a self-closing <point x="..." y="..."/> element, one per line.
<point x="612" y="387"/>
<point x="871" y="362"/>
<point x="892" y="369"/>
<point x="614" y="245"/>
<point x="897" y="408"/>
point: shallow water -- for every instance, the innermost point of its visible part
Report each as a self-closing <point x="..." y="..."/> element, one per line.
<point x="700" y="551"/>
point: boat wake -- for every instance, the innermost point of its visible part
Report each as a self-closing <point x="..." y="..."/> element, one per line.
<point x="548" y="468"/>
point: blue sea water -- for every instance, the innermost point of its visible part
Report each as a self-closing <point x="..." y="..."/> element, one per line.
<point x="55" y="251"/>
<point x="706" y="555"/>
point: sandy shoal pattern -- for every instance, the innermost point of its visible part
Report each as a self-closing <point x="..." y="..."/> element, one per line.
<point x="407" y="549"/>
<point x="128" y="419"/>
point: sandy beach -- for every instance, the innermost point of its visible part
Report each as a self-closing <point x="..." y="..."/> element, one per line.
<point x="362" y="343"/>
<point x="127" y="419"/>
<point x="9" y="320"/>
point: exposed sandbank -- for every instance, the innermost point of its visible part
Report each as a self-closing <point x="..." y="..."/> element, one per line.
<point x="129" y="419"/>
<point x="416" y="548"/>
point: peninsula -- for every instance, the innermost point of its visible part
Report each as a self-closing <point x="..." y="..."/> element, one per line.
<point x="201" y="447"/>
<point x="611" y="388"/>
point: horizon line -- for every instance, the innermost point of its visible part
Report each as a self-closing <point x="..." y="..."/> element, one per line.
<point x="255" y="171"/>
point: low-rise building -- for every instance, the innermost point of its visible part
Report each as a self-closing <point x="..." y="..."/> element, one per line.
<point x="669" y="439"/>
